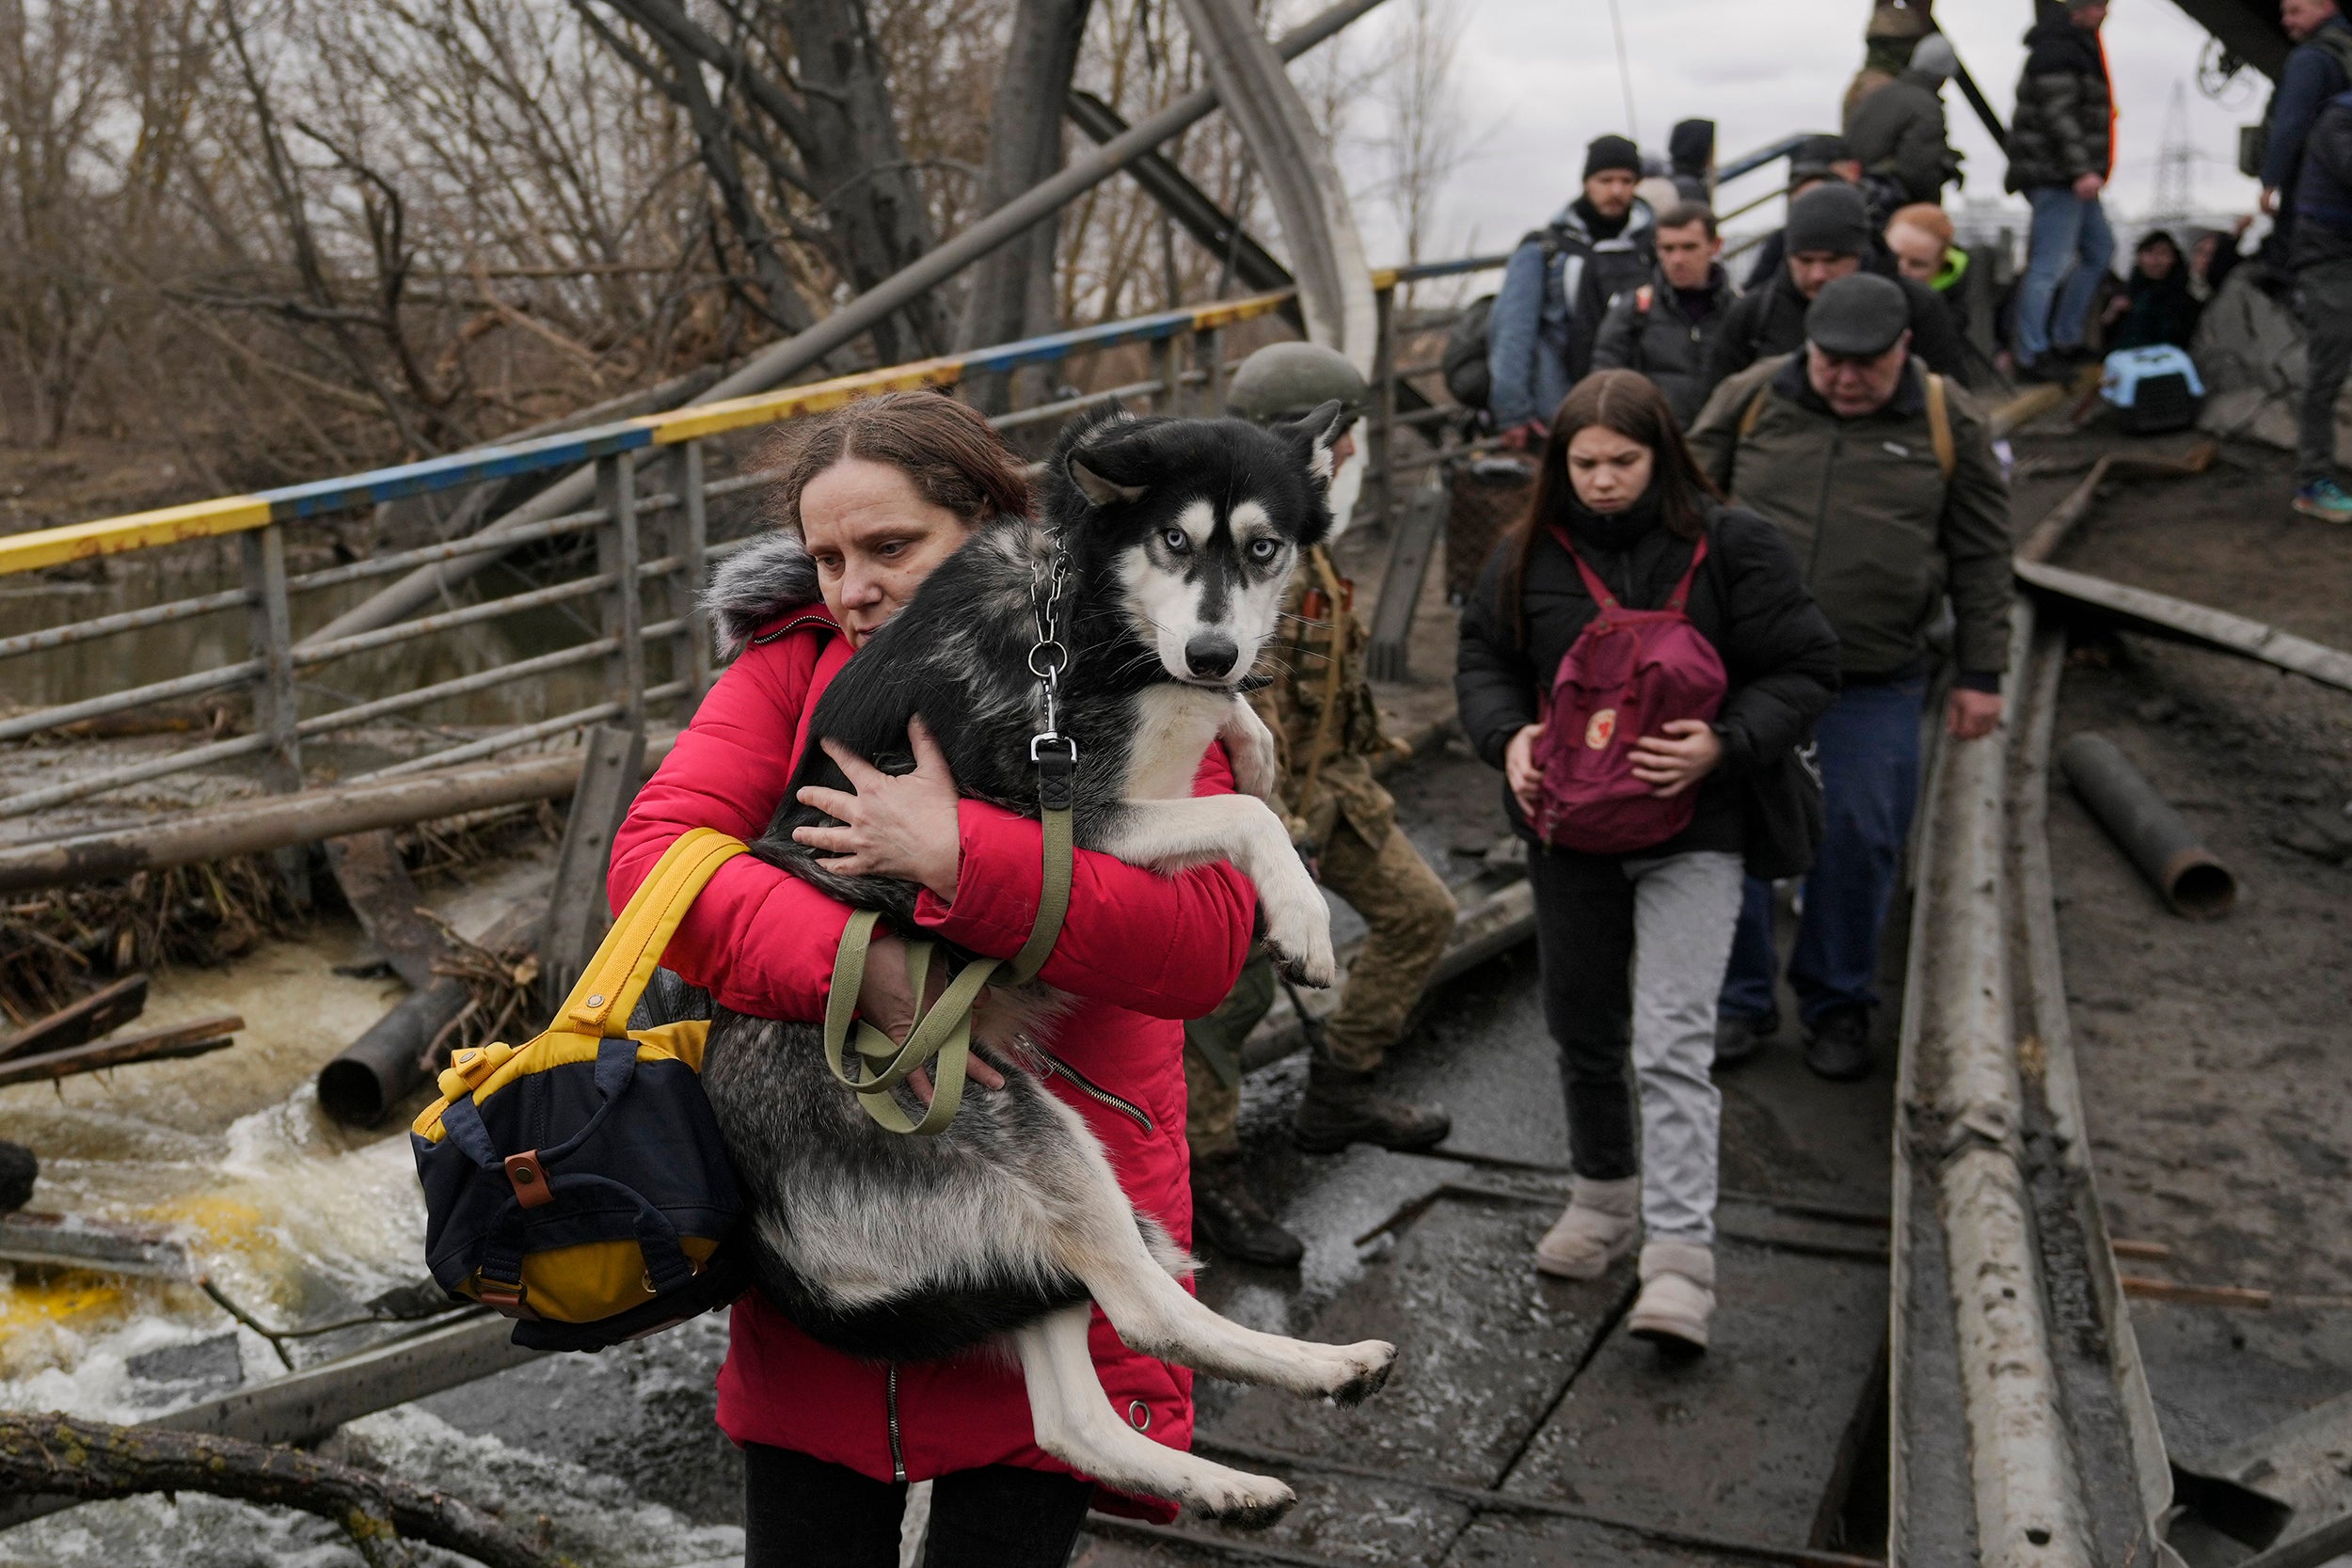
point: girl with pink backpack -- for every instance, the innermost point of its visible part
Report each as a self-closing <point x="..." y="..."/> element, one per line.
<point x="1643" y="663"/>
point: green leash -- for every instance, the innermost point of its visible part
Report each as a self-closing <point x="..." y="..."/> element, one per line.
<point x="869" y="1062"/>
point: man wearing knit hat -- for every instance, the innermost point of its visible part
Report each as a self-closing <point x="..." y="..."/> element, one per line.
<point x="1897" y="132"/>
<point x="1560" y="281"/>
<point x="1885" y="481"/>
<point x="1829" y="236"/>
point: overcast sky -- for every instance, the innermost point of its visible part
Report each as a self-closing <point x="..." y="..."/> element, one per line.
<point x="1540" y="78"/>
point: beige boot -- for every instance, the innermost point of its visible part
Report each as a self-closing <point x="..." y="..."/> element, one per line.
<point x="1678" y="1296"/>
<point x="1601" y="1224"/>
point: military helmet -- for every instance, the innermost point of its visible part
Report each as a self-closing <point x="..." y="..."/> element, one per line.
<point x="1283" y="379"/>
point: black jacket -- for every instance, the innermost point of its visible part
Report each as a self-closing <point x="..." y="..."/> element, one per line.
<point x="1771" y="321"/>
<point x="1780" y="658"/>
<point x="2323" y="189"/>
<point x="1899" y="132"/>
<point x="2062" y="127"/>
<point x="1648" y="329"/>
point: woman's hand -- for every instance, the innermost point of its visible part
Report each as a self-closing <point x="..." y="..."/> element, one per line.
<point x="886" y="1002"/>
<point x="902" y="826"/>
<point x="1519" y="768"/>
<point x="1672" y="762"/>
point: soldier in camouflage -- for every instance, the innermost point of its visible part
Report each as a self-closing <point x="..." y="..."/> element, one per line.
<point x="1327" y="733"/>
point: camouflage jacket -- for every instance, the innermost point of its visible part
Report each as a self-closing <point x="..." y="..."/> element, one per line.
<point x="1318" y="662"/>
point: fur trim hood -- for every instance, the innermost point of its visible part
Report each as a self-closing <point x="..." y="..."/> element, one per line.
<point x="755" y="585"/>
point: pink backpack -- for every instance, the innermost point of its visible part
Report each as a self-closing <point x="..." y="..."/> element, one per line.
<point x="1629" y="672"/>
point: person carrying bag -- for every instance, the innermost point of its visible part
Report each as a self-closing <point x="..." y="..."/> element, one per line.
<point x="1642" y="662"/>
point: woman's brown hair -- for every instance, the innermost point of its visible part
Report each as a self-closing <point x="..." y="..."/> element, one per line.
<point x="1629" y="404"/>
<point x="947" y="451"/>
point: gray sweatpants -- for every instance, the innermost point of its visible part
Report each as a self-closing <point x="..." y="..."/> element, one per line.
<point x="1634" y="952"/>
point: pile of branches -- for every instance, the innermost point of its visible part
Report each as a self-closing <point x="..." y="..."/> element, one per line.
<point x="55" y="945"/>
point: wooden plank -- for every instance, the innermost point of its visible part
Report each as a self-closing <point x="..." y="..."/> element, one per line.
<point x="1416" y="544"/>
<point x="2162" y="615"/>
<point x="256" y="826"/>
<point x="377" y="884"/>
<point x="578" y="910"/>
<point x="101" y="1012"/>
<point x="1745" y="1441"/>
<point x="58" y="1240"/>
<point x="199" y="1038"/>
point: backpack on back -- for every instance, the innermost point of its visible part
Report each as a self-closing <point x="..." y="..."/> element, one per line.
<point x="1463" y="361"/>
<point x="1629" y="673"/>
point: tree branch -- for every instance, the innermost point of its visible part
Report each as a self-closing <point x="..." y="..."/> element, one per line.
<point x="90" y="1459"/>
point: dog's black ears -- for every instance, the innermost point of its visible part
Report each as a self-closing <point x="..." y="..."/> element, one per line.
<point x="1098" y="489"/>
<point x="1314" y="434"/>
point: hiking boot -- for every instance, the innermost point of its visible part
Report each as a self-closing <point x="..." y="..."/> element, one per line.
<point x="2324" y="499"/>
<point x="1739" y="1037"/>
<point x="1601" y="1224"/>
<point x="1342" y="1108"/>
<point x="1837" y="1043"/>
<point x="1228" y="1216"/>
<point x="1677" y="1296"/>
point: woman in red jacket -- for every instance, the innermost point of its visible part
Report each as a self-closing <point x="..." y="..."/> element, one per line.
<point x="873" y="498"/>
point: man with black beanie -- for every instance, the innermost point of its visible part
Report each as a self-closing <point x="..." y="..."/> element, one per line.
<point x="1829" y="235"/>
<point x="1560" y="281"/>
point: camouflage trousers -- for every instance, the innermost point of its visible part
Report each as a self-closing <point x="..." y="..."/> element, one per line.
<point x="1411" y="915"/>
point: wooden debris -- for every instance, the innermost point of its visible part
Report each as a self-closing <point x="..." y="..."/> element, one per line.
<point x="101" y="1012"/>
<point x="89" y="1460"/>
<point x="2146" y="1252"/>
<point x="186" y="1040"/>
<point x="57" y="1240"/>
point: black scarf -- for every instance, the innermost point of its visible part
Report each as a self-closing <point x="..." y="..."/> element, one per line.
<point x="1617" y="532"/>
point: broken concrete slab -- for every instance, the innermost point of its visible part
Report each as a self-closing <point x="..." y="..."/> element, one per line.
<point x="1747" y="1439"/>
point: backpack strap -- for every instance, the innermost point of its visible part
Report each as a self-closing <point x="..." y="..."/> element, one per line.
<point x="1754" y="411"/>
<point x="1644" y="297"/>
<point x="631" y="950"/>
<point x="1593" y="585"/>
<point x="1681" y="595"/>
<point x="1940" y="426"/>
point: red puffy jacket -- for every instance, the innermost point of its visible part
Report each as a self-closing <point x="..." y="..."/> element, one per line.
<point x="1144" y="950"/>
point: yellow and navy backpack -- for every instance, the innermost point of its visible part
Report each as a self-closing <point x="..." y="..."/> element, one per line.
<point x="578" y="1183"/>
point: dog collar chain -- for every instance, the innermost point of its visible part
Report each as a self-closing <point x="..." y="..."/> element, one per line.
<point x="1055" y="754"/>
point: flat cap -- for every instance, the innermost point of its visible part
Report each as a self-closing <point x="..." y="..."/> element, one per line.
<point x="1858" y="316"/>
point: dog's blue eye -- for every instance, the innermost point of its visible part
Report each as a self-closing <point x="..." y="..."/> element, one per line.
<point x="1264" y="550"/>
<point x="1176" y="539"/>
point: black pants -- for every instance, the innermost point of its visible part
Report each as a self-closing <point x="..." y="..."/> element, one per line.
<point x="804" y="1513"/>
<point x="2323" y="301"/>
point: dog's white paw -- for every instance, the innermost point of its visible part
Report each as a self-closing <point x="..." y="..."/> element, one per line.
<point x="1250" y="746"/>
<point x="1298" y="933"/>
<point x="1233" y="1497"/>
<point x="1363" y="1370"/>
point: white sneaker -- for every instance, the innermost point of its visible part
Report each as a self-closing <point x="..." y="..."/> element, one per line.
<point x="1678" y="1296"/>
<point x="1600" y="1226"/>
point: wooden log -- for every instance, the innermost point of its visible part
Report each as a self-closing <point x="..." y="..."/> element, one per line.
<point x="2060" y="520"/>
<point x="101" y="1012"/>
<point x="88" y="1460"/>
<point x="203" y="1035"/>
<point x="254" y="827"/>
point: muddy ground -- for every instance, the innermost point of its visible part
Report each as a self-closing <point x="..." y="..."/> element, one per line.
<point x="2217" y="1057"/>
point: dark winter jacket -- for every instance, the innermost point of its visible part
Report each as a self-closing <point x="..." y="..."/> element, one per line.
<point x="2316" y="71"/>
<point x="1771" y="321"/>
<point x="1898" y="131"/>
<point x="2323" y="189"/>
<point x="2064" y="125"/>
<point x="1563" y="273"/>
<point x="1882" y="534"/>
<point x="1780" y="658"/>
<point x="1648" y="328"/>
<point x="2162" y="310"/>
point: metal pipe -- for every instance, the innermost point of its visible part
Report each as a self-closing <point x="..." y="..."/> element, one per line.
<point x="2146" y="828"/>
<point x="781" y="361"/>
<point x="138" y="696"/>
<point x="128" y="620"/>
<point x="382" y="1067"/>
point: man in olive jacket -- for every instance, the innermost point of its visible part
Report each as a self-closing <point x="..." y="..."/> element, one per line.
<point x="1891" y="510"/>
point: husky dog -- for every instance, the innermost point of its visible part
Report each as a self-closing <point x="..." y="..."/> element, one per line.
<point x="1177" y="538"/>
